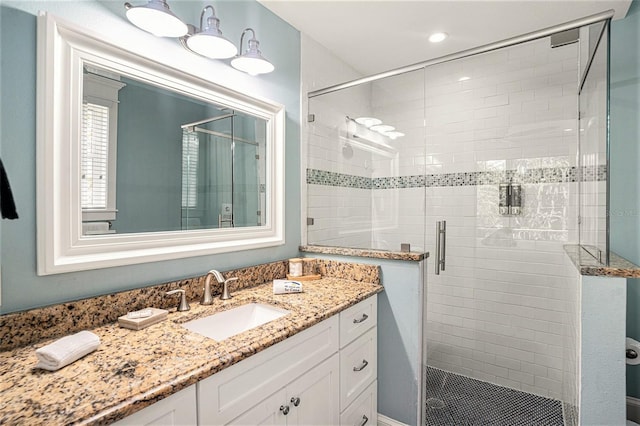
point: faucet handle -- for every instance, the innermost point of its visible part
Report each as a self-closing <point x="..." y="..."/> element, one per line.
<point x="226" y="294"/>
<point x="183" y="306"/>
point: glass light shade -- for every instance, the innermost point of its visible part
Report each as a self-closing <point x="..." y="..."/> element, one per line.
<point x="368" y="121"/>
<point x="382" y="128"/>
<point x="156" y="18"/>
<point x="252" y="62"/>
<point x="394" y="135"/>
<point x="211" y="45"/>
<point x="252" y="65"/>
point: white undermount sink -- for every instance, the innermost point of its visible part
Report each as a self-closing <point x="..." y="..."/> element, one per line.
<point x="225" y="324"/>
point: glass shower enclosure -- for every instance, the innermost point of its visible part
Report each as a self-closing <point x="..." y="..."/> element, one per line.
<point x="501" y="157"/>
<point x="223" y="172"/>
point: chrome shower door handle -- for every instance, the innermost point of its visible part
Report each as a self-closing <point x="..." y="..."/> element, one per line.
<point x="441" y="245"/>
<point x="443" y="252"/>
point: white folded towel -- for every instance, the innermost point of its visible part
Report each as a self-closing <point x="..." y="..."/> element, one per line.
<point x="66" y="350"/>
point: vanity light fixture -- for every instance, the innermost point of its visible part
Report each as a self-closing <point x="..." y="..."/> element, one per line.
<point x="251" y="61"/>
<point x="208" y="40"/>
<point x="368" y="121"/>
<point x="438" y="37"/>
<point x="382" y="128"/>
<point x="156" y="17"/>
<point x="375" y="125"/>
<point x="393" y="135"/>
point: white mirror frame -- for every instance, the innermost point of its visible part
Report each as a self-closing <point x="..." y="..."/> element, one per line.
<point x="62" y="51"/>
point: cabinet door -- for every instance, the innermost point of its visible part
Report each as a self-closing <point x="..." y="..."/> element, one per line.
<point x="177" y="409"/>
<point x="358" y="366"/>
<point x="265" y="413"/>
<point x="314" y="398"/>
<point x="364" y="410"/>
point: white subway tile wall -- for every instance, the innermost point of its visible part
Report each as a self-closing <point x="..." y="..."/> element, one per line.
<point x="571" y="346"/>
<point x="502" y="310"/>
<point x="342" y="215"/>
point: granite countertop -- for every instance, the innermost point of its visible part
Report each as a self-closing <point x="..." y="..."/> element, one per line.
<point x="134" y="369"/>
<point x="413" y="256"/>
<point x="588" y="265"/>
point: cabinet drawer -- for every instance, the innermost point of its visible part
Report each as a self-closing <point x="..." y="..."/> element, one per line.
<point x="358" y="319"/>
<point x="364" y="410"/>
<point x="229" y="392"/>
<point x="177" y="409"/>
<point x="358" y="366"/>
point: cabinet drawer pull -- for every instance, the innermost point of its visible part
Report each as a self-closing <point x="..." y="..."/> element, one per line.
<point x="284" y="409"/>
<point x="295" y="401"/>
<point x="364" y="364"/>
<point x="363" y="318"/>
<point x="364" y="420"/>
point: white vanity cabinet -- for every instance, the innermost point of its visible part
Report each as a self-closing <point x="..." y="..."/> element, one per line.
<point x="176" y="409"/>
<point x="359" y="363"/>
<point x="325" y="375"/>
<point x="310" y="399"/>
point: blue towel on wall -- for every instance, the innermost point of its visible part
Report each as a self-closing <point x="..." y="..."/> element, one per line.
<point x="7" y="205"/>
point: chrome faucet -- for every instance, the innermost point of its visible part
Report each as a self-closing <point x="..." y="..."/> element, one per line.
<point x="206" y="297"/>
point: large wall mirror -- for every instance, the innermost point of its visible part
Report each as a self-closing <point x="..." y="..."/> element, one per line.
<point x="140" y="162"/>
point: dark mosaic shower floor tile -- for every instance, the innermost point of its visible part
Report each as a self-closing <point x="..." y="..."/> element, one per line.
<point x="461" y="401"/>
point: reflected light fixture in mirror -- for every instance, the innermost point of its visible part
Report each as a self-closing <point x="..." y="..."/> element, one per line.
<point x="252" y="62"/>
<point x="393" y="135"/>
<point x="156" y="17"/>
<point x="382" y="128"/>
<point x="208" y="41"/>
<point x="368" y="121"/>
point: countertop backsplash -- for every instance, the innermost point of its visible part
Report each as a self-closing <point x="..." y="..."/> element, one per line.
<point x="23" y="328"/>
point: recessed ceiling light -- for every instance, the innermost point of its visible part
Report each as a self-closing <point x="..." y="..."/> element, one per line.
<point x="568" y="130"/>
<point x="368" y="121"/>
<point x="465" y="78"/>
<point x="382" y="128"/>
<point x="437" y="37"/>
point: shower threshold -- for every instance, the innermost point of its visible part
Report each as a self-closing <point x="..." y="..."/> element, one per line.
<point x="452" y="399"/>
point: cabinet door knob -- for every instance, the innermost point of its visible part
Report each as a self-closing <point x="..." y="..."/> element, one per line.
<point x="362" y="366"/>
<point x="364" y="420"/>
<point x="284" y="409"/>
<point x="362" y="318"/>
<point x="295" y="401"/>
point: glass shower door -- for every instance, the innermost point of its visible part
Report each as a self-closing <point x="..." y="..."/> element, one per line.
<point x="501" y="128"/>
<point x="593" y="154"/>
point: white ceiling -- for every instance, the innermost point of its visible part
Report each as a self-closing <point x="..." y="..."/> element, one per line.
<point x="376" y="36"/>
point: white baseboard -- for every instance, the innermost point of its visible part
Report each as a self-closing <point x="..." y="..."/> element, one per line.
<point x="633" y="409"/>
<point x="387" y="421"/>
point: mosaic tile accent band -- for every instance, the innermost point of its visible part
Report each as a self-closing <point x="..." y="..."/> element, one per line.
<point x="530" y="176"/>
<point x="326" y="178"/>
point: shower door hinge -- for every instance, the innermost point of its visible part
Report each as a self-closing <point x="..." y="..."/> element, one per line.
<point x="579" y="220"/>
<point x="257" y="156"/>
<point x="259" y="213"/>
<point x="310" y="221"/>
<point x="311" y="118"/>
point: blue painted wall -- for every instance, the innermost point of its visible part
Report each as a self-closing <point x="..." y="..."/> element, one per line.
<point x="280" y="43"/>
<point x="625" y="161"/>
<point x="149" y="164"/>
<point x="399" y="339"/>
